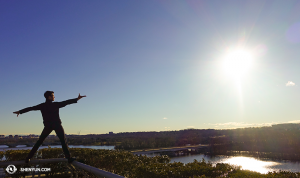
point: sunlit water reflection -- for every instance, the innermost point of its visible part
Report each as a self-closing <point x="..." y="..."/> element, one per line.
<point x="246" y="163"/>
<point x="252" y="164"/>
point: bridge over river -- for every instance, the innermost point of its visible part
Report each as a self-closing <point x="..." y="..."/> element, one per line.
<point x="14" y="145"/>
<point x="173" y="150"/>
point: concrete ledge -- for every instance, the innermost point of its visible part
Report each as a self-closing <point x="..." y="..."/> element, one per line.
<point x="96" y="171"/>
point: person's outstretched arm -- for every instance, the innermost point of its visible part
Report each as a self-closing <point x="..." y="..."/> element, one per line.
<point x="70" y="101"/>
<point x="33" y="108"/>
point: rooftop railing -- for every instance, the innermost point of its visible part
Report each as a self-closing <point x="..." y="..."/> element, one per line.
<point x="76" y="168"/>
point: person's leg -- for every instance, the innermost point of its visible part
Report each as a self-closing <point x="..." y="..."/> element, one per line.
<point x="61" y="135"/>
<point x="44" y="134"/>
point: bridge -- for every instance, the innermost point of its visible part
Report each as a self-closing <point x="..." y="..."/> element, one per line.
<point x="14" y="145"/>
<point x="173" y="150"/>
<point x="75" y="168"/>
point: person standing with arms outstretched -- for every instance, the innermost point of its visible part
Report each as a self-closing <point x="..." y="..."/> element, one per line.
<point x="50" y="113"/>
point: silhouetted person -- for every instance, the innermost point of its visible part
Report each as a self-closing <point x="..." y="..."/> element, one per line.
<point x="50" y="113"/>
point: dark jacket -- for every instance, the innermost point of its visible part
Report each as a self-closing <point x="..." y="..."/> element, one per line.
<point x="50" y="110"/>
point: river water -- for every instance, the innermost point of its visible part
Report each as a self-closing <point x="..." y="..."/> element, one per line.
<point x="247" y="163"/>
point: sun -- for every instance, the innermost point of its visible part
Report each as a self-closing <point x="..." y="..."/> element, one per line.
<point x="237" y="62"/>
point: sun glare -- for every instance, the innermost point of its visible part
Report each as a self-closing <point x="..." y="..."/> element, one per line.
<point x="237" y="62"/>
<point x="252" y="164"/>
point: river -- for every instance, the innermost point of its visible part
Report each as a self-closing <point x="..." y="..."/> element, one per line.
<point x="247" y="163"/>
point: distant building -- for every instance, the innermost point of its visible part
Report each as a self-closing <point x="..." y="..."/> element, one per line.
<point x="10" y="136"/>
<point x="2" y="136"/>
<point x="32" y="136"/>
<point x="16" y="136"/>
<point x="110" y="133"/>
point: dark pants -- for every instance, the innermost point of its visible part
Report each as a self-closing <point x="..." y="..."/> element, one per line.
<point x="47" y="130"/>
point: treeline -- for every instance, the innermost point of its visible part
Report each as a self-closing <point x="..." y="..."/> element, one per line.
<point x="165" y="139"/>
<point x="92" y="141"/>
<point x="264" y="142"/>
<point x="18" y="141"/>
<point x="80" y="140"/>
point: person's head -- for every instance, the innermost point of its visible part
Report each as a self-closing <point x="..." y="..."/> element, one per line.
<point x="49" y="95"/>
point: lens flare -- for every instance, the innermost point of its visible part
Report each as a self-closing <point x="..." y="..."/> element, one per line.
<point x="293" y="33"/>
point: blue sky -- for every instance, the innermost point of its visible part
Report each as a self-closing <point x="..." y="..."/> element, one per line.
<point x="149" y="65"/>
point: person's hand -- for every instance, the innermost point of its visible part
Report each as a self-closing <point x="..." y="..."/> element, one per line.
<point x="17" y="112"/>
<point x="79" y="97"/>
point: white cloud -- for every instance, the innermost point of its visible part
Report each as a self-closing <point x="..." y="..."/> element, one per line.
<point x="190" y="126"/>
<point x="290" y="83"/>
<point x="294" y="121"/>
<point x="165" y="118"/>
<point x="233" y="125"/>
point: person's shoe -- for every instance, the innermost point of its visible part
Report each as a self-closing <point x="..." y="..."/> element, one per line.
<point x="70" y="160"/>
<point x="27" y="160"/>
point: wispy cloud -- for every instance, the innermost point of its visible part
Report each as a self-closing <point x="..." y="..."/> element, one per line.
<point x="165" y="118"/>
<point x="294" y="121"/>
<point x="167" y="128"/>
<point x="290" y="83"/>
<point x="190" y="127"/>
<point x="233" y="125"/>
